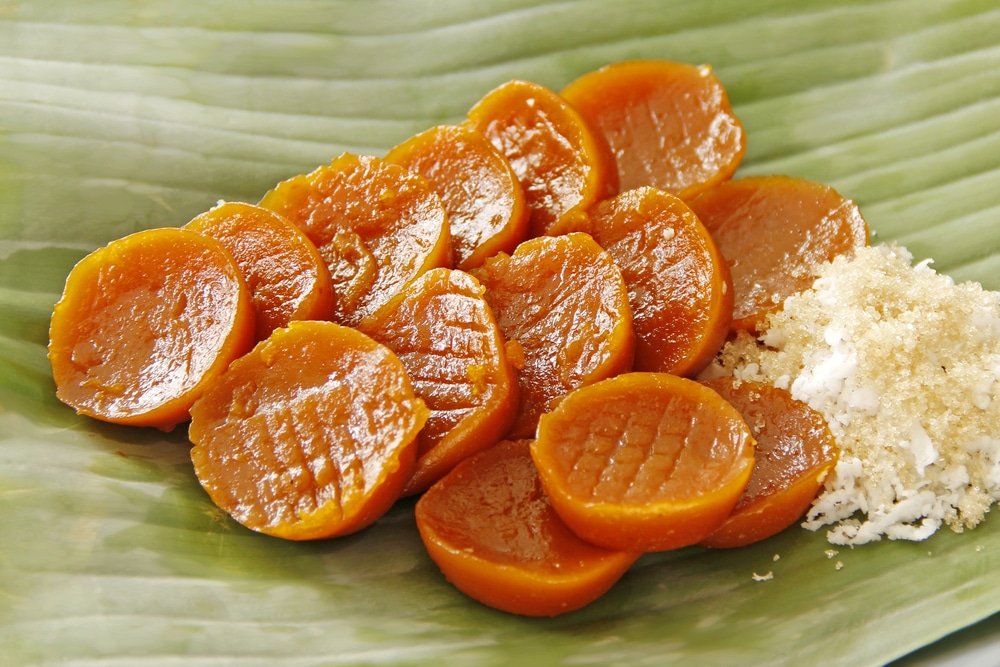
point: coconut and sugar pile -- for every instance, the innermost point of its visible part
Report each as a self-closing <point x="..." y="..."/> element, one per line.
<point x="904" y="363"/>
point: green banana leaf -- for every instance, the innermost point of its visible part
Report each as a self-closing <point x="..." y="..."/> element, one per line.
<point x="118" y="115"/>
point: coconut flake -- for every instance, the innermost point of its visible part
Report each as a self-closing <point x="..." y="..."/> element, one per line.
<point x="904" y="364"/>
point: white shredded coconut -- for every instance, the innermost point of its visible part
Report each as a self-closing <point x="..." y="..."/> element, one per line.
<point x="905" y="365"/>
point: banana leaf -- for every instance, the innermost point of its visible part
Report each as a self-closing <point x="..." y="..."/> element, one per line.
<point x="119" y="115"/>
